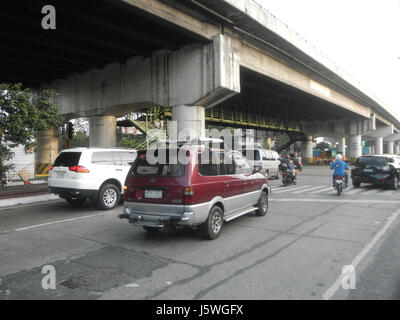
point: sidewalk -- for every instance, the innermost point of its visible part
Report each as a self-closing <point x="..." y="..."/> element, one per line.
<point x="21" y="194"/>
<point x="28" y="199"/>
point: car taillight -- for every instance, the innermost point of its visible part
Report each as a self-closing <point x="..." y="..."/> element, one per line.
<point x="188" y="194"/>
<point x="78" y="169"/>
<point x="51" y="168"/>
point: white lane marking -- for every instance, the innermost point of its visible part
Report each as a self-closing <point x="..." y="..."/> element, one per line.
<point x="308" y="189"/>
<point x="337" y="200"/>
<point x="61" y="221"/>
<point x="289" y="189"/>
<point x="336" y="285"/>
<point x="323" y="190"/>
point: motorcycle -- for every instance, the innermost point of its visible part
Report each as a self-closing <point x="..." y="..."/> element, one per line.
<point x="298" y="164"/>
<point x="339" y="184"/>
<point x="288" y="178"/>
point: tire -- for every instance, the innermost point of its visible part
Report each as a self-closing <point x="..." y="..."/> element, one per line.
<point x="75" y="202"/>
<point x="356" y="184"/>
<point x="277" y="175"/>
<point x="339" y="189"/>
<point x="395" y="183"/>
<point x="262" y="204"/>
<point x="108" y="197"/>
<point x="213" y="226"/>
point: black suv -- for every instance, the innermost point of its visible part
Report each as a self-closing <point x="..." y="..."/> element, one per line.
<point x="377" y="169"/>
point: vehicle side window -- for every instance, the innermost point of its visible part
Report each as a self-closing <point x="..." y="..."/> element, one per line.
<point x="127" y="158"/>
<point x="206" y="166"/>
<point x="265" y="155"/>
<point x="227" y="164"/>
<point x="103" y="158"/>
<point x="241" y="165"/>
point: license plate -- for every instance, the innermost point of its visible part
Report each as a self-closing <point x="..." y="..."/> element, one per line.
<point x="368" y="170"/>
<point x="153" y="194"/>
<point x="60" y="174"/>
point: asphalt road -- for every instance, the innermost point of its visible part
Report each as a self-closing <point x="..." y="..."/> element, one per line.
<point x="297" y="251"/>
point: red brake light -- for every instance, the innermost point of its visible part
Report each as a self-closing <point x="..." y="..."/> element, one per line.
<point x="51" y="168"/>
<point x="188" y="194"/>
<point x="78" y="169"/>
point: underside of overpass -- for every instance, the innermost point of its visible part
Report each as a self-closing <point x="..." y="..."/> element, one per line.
<point x="92" y="33"/>
<point x="89" y="34"/>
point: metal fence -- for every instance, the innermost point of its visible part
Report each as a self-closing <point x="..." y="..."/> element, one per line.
<point x="26" y="176"/>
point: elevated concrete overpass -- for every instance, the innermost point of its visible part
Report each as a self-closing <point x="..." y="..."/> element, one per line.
<point x="106" y="57"/>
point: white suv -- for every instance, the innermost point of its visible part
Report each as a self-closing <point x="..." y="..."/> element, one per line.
<point x="95" y="173"/>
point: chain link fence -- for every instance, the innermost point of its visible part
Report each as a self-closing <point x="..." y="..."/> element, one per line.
<point x="26" y="176"/>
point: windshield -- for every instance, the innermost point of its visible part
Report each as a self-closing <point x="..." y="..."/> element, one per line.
<point x="374" y="161"/>
<point x="67" y="159"/>
<point x="142" y="168"/>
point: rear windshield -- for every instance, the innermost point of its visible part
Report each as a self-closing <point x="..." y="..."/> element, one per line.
<point x="374" y="161"/>
<point x="251" y="154"/>
<point x="141" y="168"/>
<point x="67" y="159"/>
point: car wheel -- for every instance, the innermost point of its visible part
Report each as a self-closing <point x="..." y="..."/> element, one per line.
<point x="108" y="197"/>
<point x="356" y="184"/>
<point x="395" y="183"/>
<point x="213" y="226"/>
<point x="262" y="204"/>
<point x="277" y="175"/>
<point x="75" y="202"/>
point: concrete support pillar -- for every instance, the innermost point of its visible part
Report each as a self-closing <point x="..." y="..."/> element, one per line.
<point x="342" y="146"/>
<point x="355" y="147"/>
<point x="397" y="149"/>
<point x="372" y="148"/>
<point x="308" y="149"/>
<point x="379" y="145"/>
<point x="47" y="150"/>
<point x="103" y="131"/>
<point x="390" y="147"/>
<point x="190" y="121"/>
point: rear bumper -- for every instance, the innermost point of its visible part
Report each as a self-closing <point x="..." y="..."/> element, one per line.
<point x="158" y="220"/>
<point x="74" y="193"/>
<point x="373" y="178"/>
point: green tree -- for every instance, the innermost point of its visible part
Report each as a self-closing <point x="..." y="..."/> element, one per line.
<point x="22" y="115"/>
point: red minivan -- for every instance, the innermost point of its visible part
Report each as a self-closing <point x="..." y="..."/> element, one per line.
<point x="190" y="186"/>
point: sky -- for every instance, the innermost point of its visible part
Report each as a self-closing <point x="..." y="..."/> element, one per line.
<point x="360" y="36"/>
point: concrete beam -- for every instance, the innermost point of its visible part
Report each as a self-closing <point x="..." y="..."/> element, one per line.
<point x="382" y="132"/>
<point x="393" y="137"/>
<point x="200" y="75"/>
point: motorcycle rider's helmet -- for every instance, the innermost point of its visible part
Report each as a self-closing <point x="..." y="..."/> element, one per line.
<point x="339" y="157"/>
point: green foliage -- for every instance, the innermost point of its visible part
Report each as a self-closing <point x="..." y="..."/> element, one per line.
<point x="22" y="115"/>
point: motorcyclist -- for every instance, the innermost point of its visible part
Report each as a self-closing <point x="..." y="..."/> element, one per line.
<point x="339" y="167"/>
<point x="284" y="163"/>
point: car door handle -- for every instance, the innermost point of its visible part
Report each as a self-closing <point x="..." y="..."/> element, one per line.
<point x="226" y="184"/>
<point x="244" y="182"/>
<point x="118" y="169"/>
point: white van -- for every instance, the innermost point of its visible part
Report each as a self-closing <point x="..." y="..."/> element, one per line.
<point x="268" y="160"/>
<point x="97" y="174"/>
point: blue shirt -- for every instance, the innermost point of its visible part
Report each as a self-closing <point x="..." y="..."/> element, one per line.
<point x="339" y="167"/>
